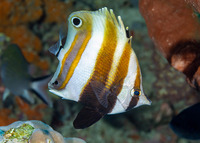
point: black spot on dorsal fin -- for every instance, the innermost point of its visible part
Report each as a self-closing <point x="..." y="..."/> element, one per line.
<point x="127" y="33"/>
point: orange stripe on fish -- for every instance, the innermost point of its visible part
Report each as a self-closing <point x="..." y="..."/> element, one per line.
<point x="98" y="85"/>
<point x="122" y="68"/>
<point x="98" y="67"/>
<point x="105" y="55"/>
<point x="67" y="54"/>
<point x="85" y="40"/>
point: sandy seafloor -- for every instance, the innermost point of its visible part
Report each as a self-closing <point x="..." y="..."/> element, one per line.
<point x="166" y="87"/>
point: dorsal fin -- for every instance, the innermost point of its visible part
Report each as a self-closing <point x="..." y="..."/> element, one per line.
<point x="55" y="49"/>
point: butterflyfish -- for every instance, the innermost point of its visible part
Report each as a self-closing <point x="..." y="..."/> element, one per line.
<point x="17" y="80"/>
<point x="97" y="67"/>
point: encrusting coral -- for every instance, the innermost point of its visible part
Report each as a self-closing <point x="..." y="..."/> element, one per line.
<point x="5" y="117"/>
<point x="31" y="113"/>
<point x="16" y="16"/>
<point x="175" y="30"/>
<point x="33" y="132"/>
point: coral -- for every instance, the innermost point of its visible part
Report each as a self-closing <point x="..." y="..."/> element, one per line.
<point x="21" y="133"/>
<point x="32" y="113"/>
<point x="175" y="30"/>
<point x="16" y="18"/>
<point x="56" y="11"/>
<point x="18" y="12"/>
<point x="33" y="132"/>
<point x="25" y="11"/>
<point x="5" y="118"/>
<point x="28" y="42"/>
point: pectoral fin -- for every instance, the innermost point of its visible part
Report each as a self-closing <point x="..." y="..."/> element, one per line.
<point x="101" y="92"/>
<point x="86" y="117"/>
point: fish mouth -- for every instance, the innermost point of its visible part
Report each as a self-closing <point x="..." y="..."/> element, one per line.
<point x="56" y="92"/>
<point x="53" y="90"/>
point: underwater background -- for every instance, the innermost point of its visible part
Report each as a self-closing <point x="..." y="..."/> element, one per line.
<point x="34" y="26"/>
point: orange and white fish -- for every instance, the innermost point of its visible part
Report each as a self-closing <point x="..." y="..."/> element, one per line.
<point x="97" y="67"/>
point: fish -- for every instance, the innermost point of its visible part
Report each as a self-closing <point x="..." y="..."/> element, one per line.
<point x="97" y="67"/>
<point x="17" y="80"/>
<point x="187" y="123"/>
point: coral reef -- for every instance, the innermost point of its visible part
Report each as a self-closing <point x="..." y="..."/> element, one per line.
<point x="33" y="132"/>
<point x="31" y="113"/>
<point x="12" y="111"/>
<point x="18" y="16"/>
<point x="166" y="87"/>
<point x="5" y="117"/>
<point x="21" y="133"/>
<point x="175" y="30"/>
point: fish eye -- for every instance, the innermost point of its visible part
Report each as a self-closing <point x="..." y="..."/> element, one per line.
<point x="77" y="22"/>
<point x="135" y="92"/>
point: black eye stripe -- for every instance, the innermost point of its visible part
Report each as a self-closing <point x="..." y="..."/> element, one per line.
<point x="59" y="51"/>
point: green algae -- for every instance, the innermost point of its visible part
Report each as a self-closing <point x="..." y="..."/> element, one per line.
<point x="20" y="134"/>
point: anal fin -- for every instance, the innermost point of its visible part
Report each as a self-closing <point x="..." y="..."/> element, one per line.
<point x="86" y="117"/>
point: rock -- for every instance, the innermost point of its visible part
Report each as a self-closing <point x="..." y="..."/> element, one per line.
<point x="175" y="30"/>
<point x="195" y="4"/>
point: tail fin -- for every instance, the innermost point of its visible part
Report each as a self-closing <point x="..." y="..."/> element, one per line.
<point x="39" y="87"/>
